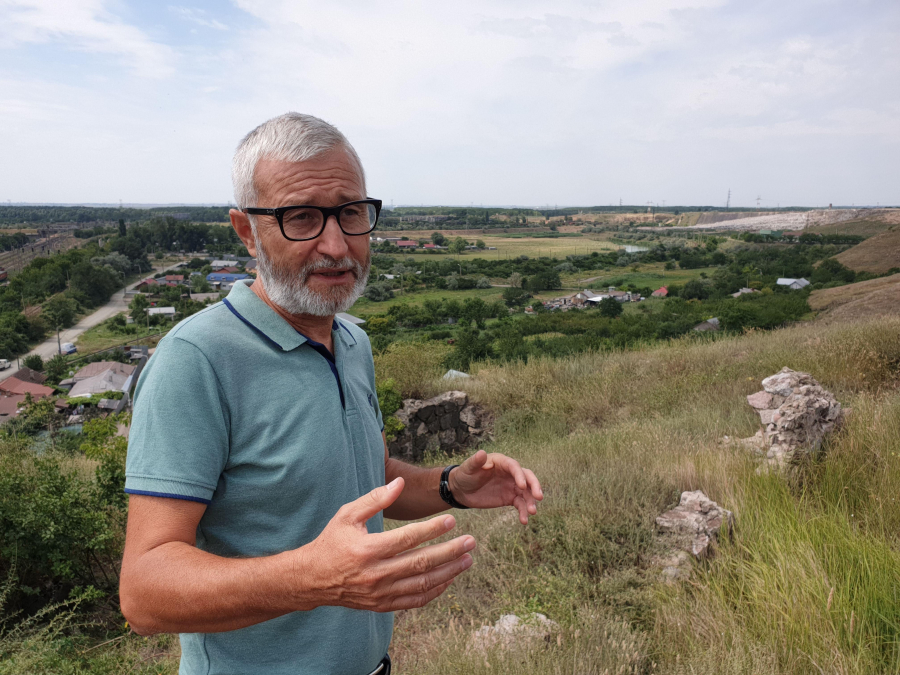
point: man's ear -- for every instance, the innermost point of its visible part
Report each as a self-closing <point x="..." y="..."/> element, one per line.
<point x="240" y="221"/>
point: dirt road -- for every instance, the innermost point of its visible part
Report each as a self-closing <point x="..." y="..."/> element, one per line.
<point x="49" y="347"/>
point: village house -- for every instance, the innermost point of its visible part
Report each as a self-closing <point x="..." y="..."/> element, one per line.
<point x="660" y="292"/>
<point x="407" y="244"/>
<point x="793" y="284"/>
<point x="744" y="291"/>
<point x="174" y="279"/>
<point x="708" y="325"/>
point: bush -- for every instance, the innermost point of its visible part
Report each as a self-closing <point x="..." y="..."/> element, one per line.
<point x="35" y="362"/>
<point x="378" y="292"/>
<point x="58" y="527"/>
<point x="390" y="400"/>
<point x="414" y="366"/>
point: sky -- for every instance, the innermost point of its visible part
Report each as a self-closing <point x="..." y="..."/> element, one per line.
<point x="487" y="102"/>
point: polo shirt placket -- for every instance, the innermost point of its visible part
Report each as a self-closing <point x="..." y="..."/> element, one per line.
<point x="237" y="410"/>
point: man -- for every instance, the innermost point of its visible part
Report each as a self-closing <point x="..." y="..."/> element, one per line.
<point x="257" y="464"/>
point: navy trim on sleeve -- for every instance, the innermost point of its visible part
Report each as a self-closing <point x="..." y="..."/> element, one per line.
<point x="145" y="493"/>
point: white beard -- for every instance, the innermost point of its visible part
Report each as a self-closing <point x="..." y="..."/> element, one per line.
<point x="292" y="293"/>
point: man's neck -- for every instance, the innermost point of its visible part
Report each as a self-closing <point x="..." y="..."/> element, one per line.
<point x="316" y="328"/>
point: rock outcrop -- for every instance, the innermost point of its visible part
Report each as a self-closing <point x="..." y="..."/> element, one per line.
<point x="688" y="530"/>
<point x="447" y="422"/>
<point x="511" y="632"/>
<point x="796" y="414"/>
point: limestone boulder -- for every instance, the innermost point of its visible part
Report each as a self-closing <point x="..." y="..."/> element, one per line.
<point x="695" y="523"/>
<point x="513" y="633"/>
<point x="447" y="422"/>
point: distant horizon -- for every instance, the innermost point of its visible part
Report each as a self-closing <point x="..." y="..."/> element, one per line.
<point x="543" y="207"/>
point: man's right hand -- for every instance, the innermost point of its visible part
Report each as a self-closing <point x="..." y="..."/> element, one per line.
<point x="383" y="572"/>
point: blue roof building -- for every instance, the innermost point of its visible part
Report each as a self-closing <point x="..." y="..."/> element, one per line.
<point x="223" y="277"/>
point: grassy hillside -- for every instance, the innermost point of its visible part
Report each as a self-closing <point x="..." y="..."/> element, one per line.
<point x="808" y="584"/>
<point x="863" y="300"/>
<point x="874" y="222"/>
<point x="877" y="254"/>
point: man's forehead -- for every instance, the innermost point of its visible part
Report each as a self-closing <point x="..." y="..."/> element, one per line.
<point x="332" y="170"/>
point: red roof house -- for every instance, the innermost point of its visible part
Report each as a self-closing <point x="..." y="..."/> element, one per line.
<point x="407" y="244"/>
<point x="660" y="292"/>
<point x="13" y="385"/>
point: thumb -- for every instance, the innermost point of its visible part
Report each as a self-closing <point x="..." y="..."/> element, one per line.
<point x="477" y="461"/>
<point x="360" y="510"/>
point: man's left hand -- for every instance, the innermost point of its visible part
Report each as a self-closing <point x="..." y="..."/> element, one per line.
<point x="487" y="481"/>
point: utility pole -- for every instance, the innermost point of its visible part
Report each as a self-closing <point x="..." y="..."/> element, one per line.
<point x="728" y="201"/>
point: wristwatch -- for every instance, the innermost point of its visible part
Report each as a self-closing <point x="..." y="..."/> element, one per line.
<point x="446" y="495"/>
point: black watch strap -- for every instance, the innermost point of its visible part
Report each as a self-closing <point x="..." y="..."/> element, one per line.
<point x="446" y="495"/>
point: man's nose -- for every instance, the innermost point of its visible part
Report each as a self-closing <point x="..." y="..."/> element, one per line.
<point x="332" y="242"/>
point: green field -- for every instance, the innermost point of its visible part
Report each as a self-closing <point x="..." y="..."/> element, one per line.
<point x="652" y="275"/>
<point x="102" y="337"/>
<point x="365" y="307"/>
<point x="534" y="247"/>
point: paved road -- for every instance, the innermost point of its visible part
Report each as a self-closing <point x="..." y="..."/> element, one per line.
<point x="48" y="348"/>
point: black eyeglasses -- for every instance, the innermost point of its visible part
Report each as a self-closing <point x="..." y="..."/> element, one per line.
<point x="301" y="223"/>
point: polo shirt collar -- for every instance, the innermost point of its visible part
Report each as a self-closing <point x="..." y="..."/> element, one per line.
<point x="250" y="309"/>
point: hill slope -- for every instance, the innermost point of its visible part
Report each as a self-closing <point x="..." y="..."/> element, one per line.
<point x="866" y="299"/>
<point x="877" y="254"/>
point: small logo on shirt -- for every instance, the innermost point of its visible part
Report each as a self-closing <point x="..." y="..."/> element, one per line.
<point x="370" y="401"/>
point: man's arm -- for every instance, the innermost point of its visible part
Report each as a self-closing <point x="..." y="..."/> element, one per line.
<point x="170" y="586"/>
<point x="483" y="481"/>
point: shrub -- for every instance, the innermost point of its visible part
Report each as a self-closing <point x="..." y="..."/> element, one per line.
<point x="390" y="399"/>
<point x="378" y="292"/>
<point x="414" y="366"/>
<point x="35" y="362"/>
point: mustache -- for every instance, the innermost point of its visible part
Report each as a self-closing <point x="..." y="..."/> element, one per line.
<point x="329" y="263"/>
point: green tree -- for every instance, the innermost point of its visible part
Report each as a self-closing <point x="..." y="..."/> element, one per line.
<point x="57" y="368"/>
<point x="610" y="307"/>
<point x="438" y="238"/>
<point x="35" y="362"/>
<point x="458" y="245"/>
<point x="515" y="297"/>
<point x="480" y="244"/>
<point x="122" y="231"/>
<point x="59" y="312"/>
<point x="199" y="284"/>
<point x="139" y="304"/>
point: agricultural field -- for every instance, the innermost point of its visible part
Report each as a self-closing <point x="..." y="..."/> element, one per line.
<point x="512" y="246"/>
<point x="649" y="275"/>
<point x="102" y="336"/>
<point x="365" y="307"/>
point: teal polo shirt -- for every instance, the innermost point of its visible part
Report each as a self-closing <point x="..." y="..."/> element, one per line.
<point x="239" y="411"/>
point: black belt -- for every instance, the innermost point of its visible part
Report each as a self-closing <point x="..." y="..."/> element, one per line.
<point x="384" y="666"/>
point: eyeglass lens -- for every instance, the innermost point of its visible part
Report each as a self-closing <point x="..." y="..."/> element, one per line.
<point x="305" y="223"/>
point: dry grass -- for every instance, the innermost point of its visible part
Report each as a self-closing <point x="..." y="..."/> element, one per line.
<point x="615" y="438"/>
<point x="863" y="300"/>
<point x="877" y="254"/>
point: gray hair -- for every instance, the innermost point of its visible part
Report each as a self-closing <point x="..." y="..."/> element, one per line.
<point x="291" y="137"/>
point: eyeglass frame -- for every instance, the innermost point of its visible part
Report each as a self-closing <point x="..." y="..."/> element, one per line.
<point x="327" y="212"/>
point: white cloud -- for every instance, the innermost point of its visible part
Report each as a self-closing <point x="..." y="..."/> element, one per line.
<point x="198" y="16"/>
<point x="85" y="25"/>
<point x="486" y="102"/>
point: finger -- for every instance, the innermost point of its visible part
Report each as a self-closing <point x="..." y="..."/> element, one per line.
<point x="409" y="536"/>
<point x="425" y="559"/>
<point x="519" y="503"/>
<point x="417" y="600"/>
<point x="534" y="485"/>
<point x="360" y="510"/>
<point x="422" y="583"/>
<point x="475" y="462"/>
<point x="515" y="470"/>
<point x="529" y="502"/>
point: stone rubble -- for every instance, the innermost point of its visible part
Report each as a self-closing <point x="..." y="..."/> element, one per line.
<point x="796" y="414"/>
<point x="447" y="422"/>
<point x="694" y="524"/>
<point x="511" y="632"/>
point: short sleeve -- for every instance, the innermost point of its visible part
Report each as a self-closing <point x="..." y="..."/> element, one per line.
<point x="178" y="444"/>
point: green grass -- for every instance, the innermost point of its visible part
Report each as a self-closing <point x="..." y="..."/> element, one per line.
<point x="365" y="307"/>
<point x="101" y="337"/>
<point x="533" y="247"/>
<point x="651" y="275"/>
<point x="615" y="438"/>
